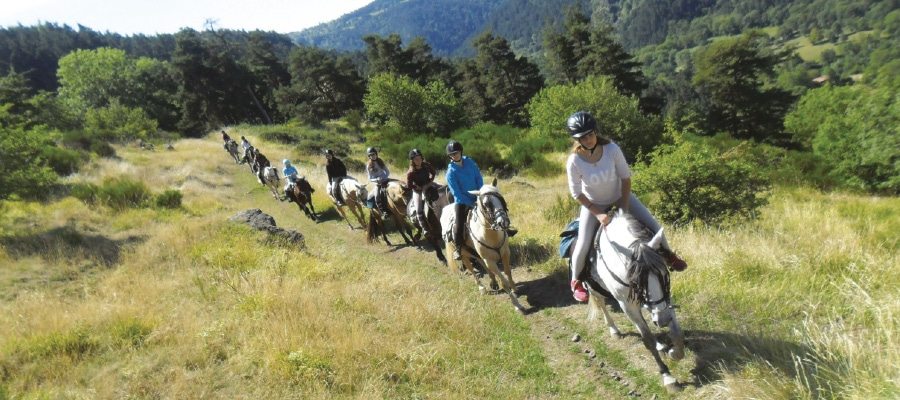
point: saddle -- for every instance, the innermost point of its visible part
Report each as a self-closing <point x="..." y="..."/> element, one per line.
<point x="567" y="245"/>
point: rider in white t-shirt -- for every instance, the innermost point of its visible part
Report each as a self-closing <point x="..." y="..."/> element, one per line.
<point x="599" y="178"/>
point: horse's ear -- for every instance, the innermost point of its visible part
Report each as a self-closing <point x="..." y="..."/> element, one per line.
<point x="656" y="240"/>
<point x="494" y="182"/>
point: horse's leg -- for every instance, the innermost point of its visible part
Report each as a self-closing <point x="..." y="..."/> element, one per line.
<point x="633" y="311"/>
<point x="677" y="336"/>
<point x="401" y="226"/>
<point x="597" y="305"/>
<point x="312" y="207"/>
<point x="507" y="286"/>
<point x="466" y="258"/>
<point x="507" y="269"/>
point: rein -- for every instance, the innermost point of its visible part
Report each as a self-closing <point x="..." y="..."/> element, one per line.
<point x="638" y="286"/>
<point x="493" y="224"/>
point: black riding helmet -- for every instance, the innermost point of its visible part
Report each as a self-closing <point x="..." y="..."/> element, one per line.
<point x="371" y="150"/>
<point x="413" y="153"/>
<point x="581" y="123"/>
<point x="328" y="152"/>
<point x="454" y="147"/>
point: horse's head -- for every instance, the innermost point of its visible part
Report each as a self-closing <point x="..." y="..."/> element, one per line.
<point x="492" y="206"/>
<point x="648" y="275"/>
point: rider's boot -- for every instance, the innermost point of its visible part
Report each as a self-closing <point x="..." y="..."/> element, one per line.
<point x="675" y="262"/>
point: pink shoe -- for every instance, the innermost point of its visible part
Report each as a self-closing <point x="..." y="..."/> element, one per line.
<point x="578" y="291"/>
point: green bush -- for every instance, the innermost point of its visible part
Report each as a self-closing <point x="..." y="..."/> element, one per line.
<point x="117" y="193"/>
<point x="307" y="140"/>
<point x="168" y="199"/>
<point x="854" y="132"/>
<point x="411" y="107"/>
<point x="23" y="169"/>
<point x="117" y="123"/>
<point x="691" y="181"/>
<point x="618" y="117"/>
<point x="103" y="149"/>
<point x="63" y="161"/>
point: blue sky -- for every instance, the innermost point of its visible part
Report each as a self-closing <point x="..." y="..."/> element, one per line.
<point x="168" y="16"/>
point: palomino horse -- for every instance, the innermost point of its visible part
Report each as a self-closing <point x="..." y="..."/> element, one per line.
<point x="269" y="177"/>
<point x="232" y="148"/>
<point x="396" y="208"/>
<point x="436" y="198"/>
<point x="628" y="266"/>
<point x="354" y="196"/>
<point x="300" y="192"/>
<point x="487" y="227"/>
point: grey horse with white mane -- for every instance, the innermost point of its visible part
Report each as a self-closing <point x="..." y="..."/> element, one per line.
<point x="628" y="266"/>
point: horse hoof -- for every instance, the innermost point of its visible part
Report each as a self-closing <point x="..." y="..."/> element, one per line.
<point x="676" y="354"/>
<point x="671" y="384"/>
<point x="482" y="290"/>
<point x="495" y="286"/>
<point x="615" y="333"/>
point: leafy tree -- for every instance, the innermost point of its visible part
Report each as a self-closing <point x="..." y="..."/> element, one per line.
<point x="584" y="49"/>
<point x="117" y="122"/>
<point x="500" y="80"/>
<point x="729" y="75"/>
<point x="854" y="131"/>
<point x="268" y="71"/>
<point x="618" y="117"/>
<point x="91" y="78"/>
<point x="322" y="86"/>
<point x="24" y="171"/>
<point x="411" y="107"/>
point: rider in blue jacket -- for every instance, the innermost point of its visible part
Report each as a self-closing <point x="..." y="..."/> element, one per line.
<point x="290" y="175"/>
<point x="462" y="175"/>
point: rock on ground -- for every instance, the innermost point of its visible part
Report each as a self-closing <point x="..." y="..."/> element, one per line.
<point x="261" y="221"/>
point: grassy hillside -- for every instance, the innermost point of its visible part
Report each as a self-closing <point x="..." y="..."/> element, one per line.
<point x="146" y="302"/>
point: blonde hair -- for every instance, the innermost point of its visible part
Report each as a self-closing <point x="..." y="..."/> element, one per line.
<point x="601" y="140"/>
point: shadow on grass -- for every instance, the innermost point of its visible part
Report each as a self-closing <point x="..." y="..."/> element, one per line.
<point x="529" y="251"/>
<point x="718" y="352"/>
<point x="68" y="243"/>
<point x="548" y="291"/>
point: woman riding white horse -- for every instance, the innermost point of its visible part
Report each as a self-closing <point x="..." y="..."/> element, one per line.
<point x="599" y="178"/>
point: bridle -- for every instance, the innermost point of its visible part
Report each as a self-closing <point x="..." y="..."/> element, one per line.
<point x="489" y="214"/>
<point x="645" y="295"/>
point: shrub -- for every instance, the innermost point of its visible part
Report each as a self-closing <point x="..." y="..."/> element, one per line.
<point x="121" y="193"/>
<point x="306" y="139"/>
<point x="618" y="117"/>
<point x="103" y="149"/>
<point x="86" y="192"/>
<point x="23" y="169"/>
<point x="691" y="181"/>
<point x="118" y="122"/>
<point x="168" y="199"/>
<point x="854" y="132"/>
<point x="405" y="104"/>
<point x="63" y="161"/>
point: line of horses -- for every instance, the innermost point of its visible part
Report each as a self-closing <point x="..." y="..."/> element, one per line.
<point x="624" y="267"/>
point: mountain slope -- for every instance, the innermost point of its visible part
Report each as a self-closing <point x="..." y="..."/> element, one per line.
<point x="445" y="24"/>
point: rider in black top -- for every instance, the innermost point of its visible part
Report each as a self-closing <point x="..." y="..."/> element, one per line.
<point x="336" y="171"/>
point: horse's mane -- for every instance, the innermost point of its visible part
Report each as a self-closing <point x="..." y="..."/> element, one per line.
<point x="644" y="261"/>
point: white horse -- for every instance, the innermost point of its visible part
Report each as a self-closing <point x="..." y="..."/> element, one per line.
<point x="486" y="234"/>
<point x="628" y="266"/>
<point x="354" y="195"/>
<point x="270" y="180"/>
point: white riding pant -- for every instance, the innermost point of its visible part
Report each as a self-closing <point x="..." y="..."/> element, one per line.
<point x="588" y="224"/>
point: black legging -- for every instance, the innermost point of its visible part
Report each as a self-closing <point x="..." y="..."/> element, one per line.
<point x="462" y="214"/>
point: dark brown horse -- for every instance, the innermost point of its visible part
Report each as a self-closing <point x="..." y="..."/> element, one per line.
<point x="300" y="192"/>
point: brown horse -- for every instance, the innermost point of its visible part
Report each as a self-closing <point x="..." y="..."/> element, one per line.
<point x="354" y="196"/>
<point x="435" y="199"/>
<point x="300" y="192"/>
<point x="395" y="202"/>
